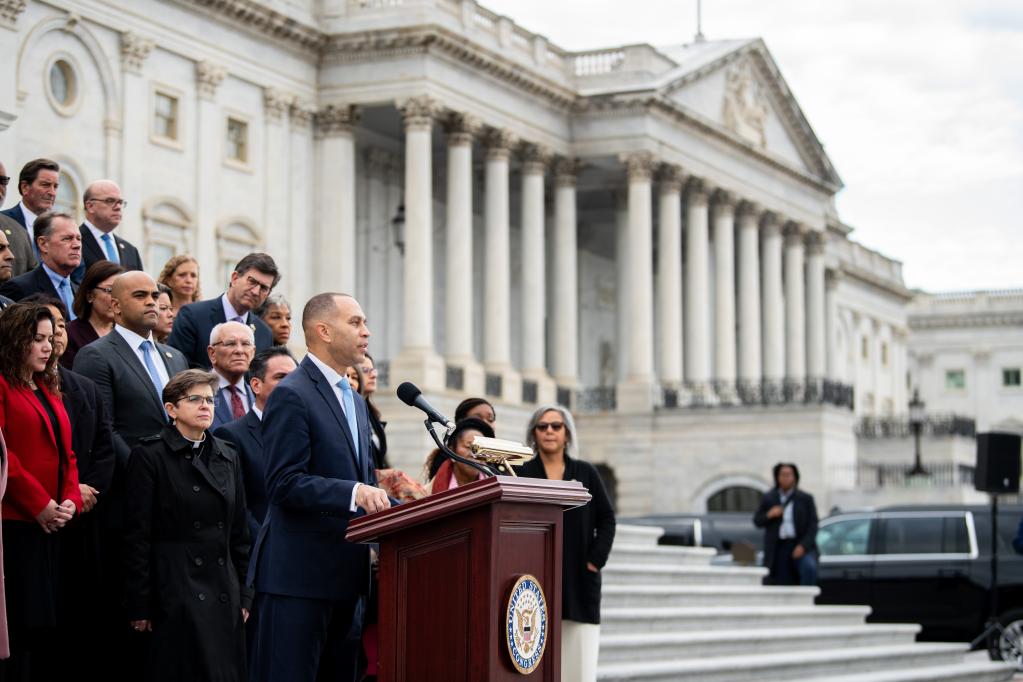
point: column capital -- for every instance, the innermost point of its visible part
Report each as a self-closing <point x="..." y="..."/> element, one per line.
<point x="639" y="165"/>
<point x="300" y="114"/>
<point x="748" y="208"/>
<point x="815" y="243"/>
<point x="535" y="158"/>
<point x="499" y="143"/>
<point x="671" y="177"/>
<point x="9" y="11"/>
<point x="832" y="278"/>
<point x="794" y="233"/>
<point x="276" y="104"/>
<point x="208" y="77"/>
<point x="770" y="223"/>
<point x="418" y="112"/>
<point x="134" y="51"/>
<point x="697" y="191"/>
<point x="461" y="128"/>
<point x="724" y="200"/>
<point x="337" y="119"/>
<point x="566" y="171"/>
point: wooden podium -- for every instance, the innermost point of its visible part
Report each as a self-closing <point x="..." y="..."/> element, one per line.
<point x="448" y="563"/>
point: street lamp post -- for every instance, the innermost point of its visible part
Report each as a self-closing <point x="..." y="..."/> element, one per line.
<point x="917" y="417"/>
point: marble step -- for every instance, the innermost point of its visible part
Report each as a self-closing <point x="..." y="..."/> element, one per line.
<point x="645" y="596"/>
<point x="693" y="645"/>
<point x="966" y="671"/>
<point x="669" y="555"/>
<point x="637" y="535"/>
<point x="789" y="665"/>
<point x="717" y="618"/>
<point x="639" y="573"/>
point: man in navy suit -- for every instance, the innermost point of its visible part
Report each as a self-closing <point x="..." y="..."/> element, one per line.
<point x="103" y="211"/>
<point x="231" y="349"/>
<point x="37" y="184"/>
<point x="267" y="370"/>
<point x="60" y="252"/>
<point x="319" y="474"/>
<point x="253" y="279"/>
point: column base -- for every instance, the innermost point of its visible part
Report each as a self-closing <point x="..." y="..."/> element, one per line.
<point x="727" y="394"/>
<point x="421" y="366"/>
<point x="474" y="377"/>
<point x="636" y="396"/>
<point x="511" y="383"/>
<point x="546" y="388"/>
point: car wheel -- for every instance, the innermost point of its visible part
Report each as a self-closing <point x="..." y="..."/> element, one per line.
<point x="1008" y="646"/>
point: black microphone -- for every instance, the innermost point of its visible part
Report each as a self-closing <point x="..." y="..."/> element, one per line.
<point x="410" y="394"/>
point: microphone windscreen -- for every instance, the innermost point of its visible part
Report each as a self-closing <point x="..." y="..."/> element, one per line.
<point x="408" y="392"/>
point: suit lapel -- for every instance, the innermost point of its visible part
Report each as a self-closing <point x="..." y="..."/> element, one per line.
<point x="131" y="360"/>
<point x="166" y="356"/>
<point x="44" y="283"/>
<point x="327" y="393"/>
<point x="255" y="428"/>
<point x="90" y="246"/>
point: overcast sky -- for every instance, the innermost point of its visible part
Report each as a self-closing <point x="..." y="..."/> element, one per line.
<point x="919" y="104"/>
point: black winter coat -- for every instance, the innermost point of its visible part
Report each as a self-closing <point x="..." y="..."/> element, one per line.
<point x="587" y="535"/>
<point x="804" y="518"/>
<point x="186" y="546"/>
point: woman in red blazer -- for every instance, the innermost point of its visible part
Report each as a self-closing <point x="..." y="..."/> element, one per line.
<point x="42" y="488"/>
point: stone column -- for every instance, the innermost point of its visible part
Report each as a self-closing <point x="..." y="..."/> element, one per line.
<point x="534" y="268"/>
<point x="565" y="288"/>
<point x="336" y="253"/>
<point x="816" y="320"/>
<point x="497" y="266"/>
<point x="795" y="304"/>
<point x="724" y="295"/>
<point x="832" y="358"/>
<point x="458" y="309"/>
<point x="773" y="299"/>
<point x="299" y="283"/>
<point x="134" y="139"/>
<point x="275" y="189"/>
<point x="637" y="392"/>
<point x="418" y="360"/>
<point x="210" y="144"/>
<point x="669" y="281"/>
<point x="750" y="372"/>
<point x="623" y="332"/>
<point x="697" y="290"/>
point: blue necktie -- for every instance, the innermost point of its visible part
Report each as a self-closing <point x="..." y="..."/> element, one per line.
<point x="108" y="245"/>
<point x="147" y="357"/>
<point x="65" y="295"/>
<point x="349" y="403"/>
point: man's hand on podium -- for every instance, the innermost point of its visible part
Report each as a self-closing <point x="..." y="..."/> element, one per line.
<point x="371" y="499"/>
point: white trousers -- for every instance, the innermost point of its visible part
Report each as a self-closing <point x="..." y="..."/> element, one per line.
<point x="580" y="646"/>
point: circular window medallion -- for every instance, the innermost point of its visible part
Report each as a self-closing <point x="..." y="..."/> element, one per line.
<point x="526" y="624"/>
<point x="62" y="85"/>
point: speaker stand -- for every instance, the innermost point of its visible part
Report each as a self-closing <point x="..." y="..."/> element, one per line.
<point x="993" y="630"/>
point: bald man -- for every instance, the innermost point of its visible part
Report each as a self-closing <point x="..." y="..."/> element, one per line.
<point x="104" y="209"/>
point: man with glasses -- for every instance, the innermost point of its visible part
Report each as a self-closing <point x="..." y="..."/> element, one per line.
<point x="232" y="347"/>
<point x="253" y="279"/>
<point x="103" y="212"/>
<point x="14" y="232"/>
<point x="60" y="252"/>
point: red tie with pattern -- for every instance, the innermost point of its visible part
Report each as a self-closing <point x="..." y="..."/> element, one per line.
<point x="237" y="409"/>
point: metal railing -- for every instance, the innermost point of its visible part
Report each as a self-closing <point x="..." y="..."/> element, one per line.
<point x="877" y="475"/>
<point x="938" y="425"/>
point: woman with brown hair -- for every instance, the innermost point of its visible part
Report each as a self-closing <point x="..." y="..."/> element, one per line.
<point x="94" y="309"/>
<point x="181" y="274"/>
<point x="42" y="491"/>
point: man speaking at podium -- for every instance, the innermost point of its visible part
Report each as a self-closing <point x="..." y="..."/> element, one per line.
<point x="319" y="474"/>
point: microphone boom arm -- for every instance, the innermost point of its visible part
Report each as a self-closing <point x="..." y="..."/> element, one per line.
<point x="486" y="471"/>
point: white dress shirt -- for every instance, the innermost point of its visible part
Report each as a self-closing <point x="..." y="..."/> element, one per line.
<point x="230" y="314"/>
<point x="333" y="378"/>
<point x="30" y="221"/>
<point x="134" y="340"/>
<point x="788" y="524"/>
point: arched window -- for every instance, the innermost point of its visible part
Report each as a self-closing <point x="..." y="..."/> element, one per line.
<point x="69" y="199"/>
<point x="235" y="240"/>
<point x="735" y="499"/>
<point x="168" y="231"/>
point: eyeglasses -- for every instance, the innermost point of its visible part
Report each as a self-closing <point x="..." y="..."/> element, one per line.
<point x="105" y="290"/>
<point x="369" y="370"/>
<point x="4" y="179"/>
<point x="196" y="399"/>
<point x="251" y="282"/>
<point x="556" y="426"/>
<point x="234" y="344"/>
<point x="111" y="201"/>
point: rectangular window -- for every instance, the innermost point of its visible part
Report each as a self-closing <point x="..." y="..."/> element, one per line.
<point x="955" y="379"/>
<point x="165" y="116"/>
<point x="924" y="535"/>
<point x="884" y="354"/>
<point x="1011" y="377"/>
<point x="237" y="140"/>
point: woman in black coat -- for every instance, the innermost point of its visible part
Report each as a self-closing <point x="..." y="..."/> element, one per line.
<point x="187" y="542"/>
<point x="587" y="535"/>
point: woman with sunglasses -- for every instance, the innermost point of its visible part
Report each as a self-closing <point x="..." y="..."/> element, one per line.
<point x="587" y="534"/>
<point x="187" y="542"/>
<point x="93" y="307"/>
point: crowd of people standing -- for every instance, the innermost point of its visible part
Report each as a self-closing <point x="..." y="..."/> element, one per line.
<point x="176" y="485"/>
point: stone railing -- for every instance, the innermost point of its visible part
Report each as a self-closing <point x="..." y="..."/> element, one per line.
<point x="750" y="393"/>
<point x="935" y="426"/>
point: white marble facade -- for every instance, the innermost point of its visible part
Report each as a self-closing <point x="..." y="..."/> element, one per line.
<point x="631" y="219"/>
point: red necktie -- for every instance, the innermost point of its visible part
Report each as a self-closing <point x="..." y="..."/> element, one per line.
<point x="237" y="409"/>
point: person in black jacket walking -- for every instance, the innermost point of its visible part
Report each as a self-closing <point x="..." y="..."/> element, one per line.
<point x="789" y="519"/>
<point x="587" y="536"/>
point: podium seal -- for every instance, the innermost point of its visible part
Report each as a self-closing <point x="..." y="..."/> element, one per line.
<point x="526" y="624"/>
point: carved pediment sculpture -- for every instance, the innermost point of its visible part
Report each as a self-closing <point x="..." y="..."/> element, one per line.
<point x="745" y="106"/>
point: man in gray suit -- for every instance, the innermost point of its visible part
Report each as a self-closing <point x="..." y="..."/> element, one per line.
<point x="17" y="236"/>
<point x="6" y="264"/>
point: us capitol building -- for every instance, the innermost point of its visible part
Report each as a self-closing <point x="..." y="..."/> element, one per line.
<point x="648" y="235"/>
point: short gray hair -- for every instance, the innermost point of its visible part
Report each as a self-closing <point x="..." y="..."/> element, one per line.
<point x="215" y="332"/>
<point x="566" y="416"/>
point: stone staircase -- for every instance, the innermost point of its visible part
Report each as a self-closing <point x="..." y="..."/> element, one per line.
<point x="667" y="614"/>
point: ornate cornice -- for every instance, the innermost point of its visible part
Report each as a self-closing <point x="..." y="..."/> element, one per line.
<point x="134" y="51"/>
<point x="10" y="10"/>
<point x="336" y="119"/>
<point x="208" y="77"/>
<point x="258" y="17"/>
<point x="276" y="104"/>
<point x="966" y="320"/>
<point x="639" y="166"/>
<point x="419" y="112"/>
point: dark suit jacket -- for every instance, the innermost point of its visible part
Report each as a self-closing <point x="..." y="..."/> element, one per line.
<point x="32" y="282"/>
<point x="246" y="435"/>
<point x="192" y="327"/>
<point x="222" y="410"/>
<point x="311" y="472"/>
<point x="21" y="243"/>
<point x="129" y="399"/>
<point x="93" y="251"/>
<point x="91" y="437"/>
<point x="80" y="333"/>
<point x="804" y="516"/>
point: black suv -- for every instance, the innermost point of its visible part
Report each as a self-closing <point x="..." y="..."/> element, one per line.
<point x="926" y="565"/>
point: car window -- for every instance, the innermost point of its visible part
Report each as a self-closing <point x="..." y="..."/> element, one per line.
<point x="923" y="535"/>
<point x="844" y="538"/>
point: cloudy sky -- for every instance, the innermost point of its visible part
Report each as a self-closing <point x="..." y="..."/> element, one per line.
<point x="918" y="102"/>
